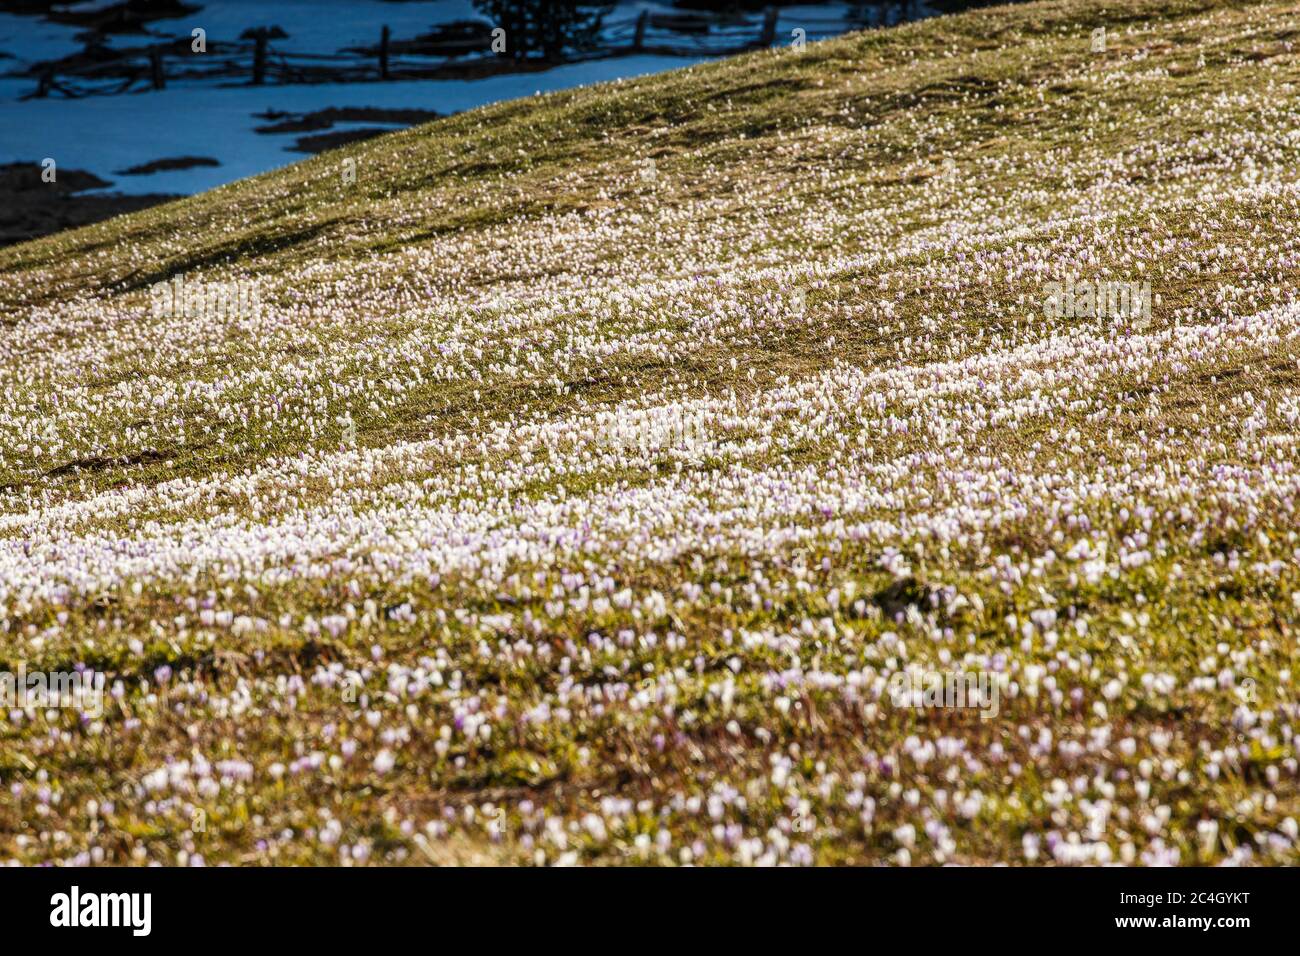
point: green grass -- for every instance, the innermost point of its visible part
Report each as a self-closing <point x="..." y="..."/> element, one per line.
<point x="835" y="277"/>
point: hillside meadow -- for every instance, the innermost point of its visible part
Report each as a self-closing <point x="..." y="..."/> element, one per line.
<point x="605" y="477"/>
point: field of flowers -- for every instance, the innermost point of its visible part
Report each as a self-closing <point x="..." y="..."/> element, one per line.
<point x="592" y="467"/>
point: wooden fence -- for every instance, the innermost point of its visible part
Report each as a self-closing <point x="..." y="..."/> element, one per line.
<point x="256" y="60"/>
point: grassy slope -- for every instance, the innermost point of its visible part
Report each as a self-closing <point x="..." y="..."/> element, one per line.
<point x="685" y="411"/>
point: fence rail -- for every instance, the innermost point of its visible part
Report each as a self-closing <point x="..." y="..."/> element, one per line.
<point x="257" y="61"/>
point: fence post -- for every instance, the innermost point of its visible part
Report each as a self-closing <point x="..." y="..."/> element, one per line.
<point x="638" y="41"/>
<point x="768" y="37"/>
<point x="383" y="53"/>
<point x="259" y="57"/>
<point x="156" y="70"/>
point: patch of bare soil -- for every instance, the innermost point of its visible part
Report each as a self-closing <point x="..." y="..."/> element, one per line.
<point x="340" y="137"/>
<point x="321" y="120"/>
<point x="324" y="119"/>
<point x="31" y="208"/>
<point x="165" y="165"/>
<point x="128" y="16"/>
